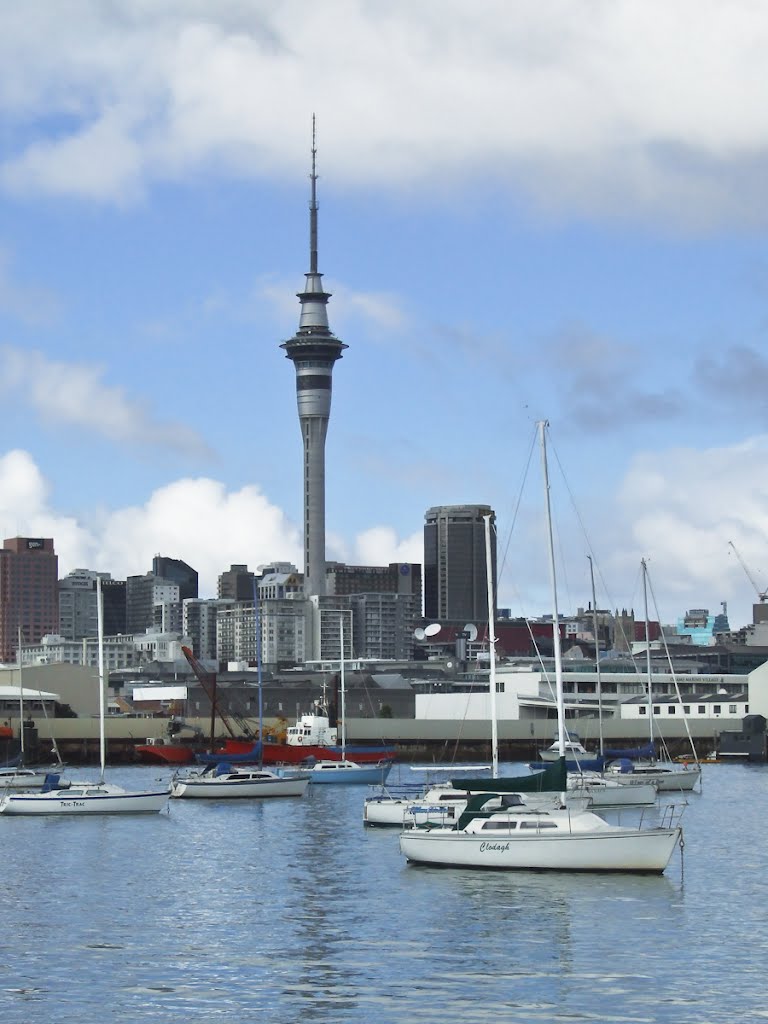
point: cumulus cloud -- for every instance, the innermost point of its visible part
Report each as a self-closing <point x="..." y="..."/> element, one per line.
<point x="76" y="395"/>
<point x="196" y="519"/>
<point x="380" y="545"/>
<point x="25" y="509"/>
<point x="202" y="522"/>
<point x="684" y="506"/>
<point x="622" y="108"/>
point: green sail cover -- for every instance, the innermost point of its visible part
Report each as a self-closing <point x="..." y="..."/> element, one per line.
<point x="551" y="780"/>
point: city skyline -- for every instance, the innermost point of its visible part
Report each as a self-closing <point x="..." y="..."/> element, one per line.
<point x="526" y="215"/>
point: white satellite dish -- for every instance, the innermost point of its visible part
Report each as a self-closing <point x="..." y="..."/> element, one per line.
<point x="471" y="630"/>
<point x="419" y="633"/>
<point x="432" y="628"/>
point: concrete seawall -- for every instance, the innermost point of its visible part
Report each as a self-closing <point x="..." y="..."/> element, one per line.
<point x="78" y="738"/>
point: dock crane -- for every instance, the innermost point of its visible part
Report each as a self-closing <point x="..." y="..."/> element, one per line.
<point x="762" y="594"/>
<point x="208" y="682"/>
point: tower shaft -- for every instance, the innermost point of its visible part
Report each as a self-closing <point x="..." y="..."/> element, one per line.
<point x="313" y="350"/>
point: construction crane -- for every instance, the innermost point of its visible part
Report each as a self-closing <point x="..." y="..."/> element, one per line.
<point x="762" y="594"/>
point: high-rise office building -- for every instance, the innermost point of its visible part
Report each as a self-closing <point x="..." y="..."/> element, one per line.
<point x="313" y="351"/>
<point x="173" y="570"/>
<point x="29" y="593"/>
<point x="78" y="610"/>
<point x="152" y="603"/>
<point x="455" y="580"/>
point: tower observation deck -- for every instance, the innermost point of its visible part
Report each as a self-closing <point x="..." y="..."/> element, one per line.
<point x="313" y="350"/>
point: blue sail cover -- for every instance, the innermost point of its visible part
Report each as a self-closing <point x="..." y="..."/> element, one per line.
<point x="633" y="753"/>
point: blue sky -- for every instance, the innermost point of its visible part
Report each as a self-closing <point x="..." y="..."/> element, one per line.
<point x="527" y="211"/>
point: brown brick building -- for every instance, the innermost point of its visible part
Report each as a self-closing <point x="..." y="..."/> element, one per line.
<point x="29" y="595"/>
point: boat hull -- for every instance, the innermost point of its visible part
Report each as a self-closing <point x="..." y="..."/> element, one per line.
<point x="65" y="802"/>
<point x="168" y="753"/>
<point x="644" y="851"/>
<point x="211" y="789"/>
<point x="671" y="781"/>
<point x="613" y="794"/>
<point x="240" y="751"/>
<point x="370" y="775"/>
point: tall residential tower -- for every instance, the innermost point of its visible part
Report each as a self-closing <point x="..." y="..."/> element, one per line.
<point x="313" y="350"/>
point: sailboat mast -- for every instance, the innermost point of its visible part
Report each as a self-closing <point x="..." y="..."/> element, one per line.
<point x="343" y="692"/>
<point x="647" y="649"/>
<point x="597" y="658"/>
<point x="491" y="649"/>
<point x="21" y="703"/>
<point x="257" y="629"/>
<point x="555" y="614"/>
<point x="100" y="635"/>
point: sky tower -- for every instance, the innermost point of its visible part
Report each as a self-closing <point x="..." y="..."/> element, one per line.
<point x="313" y="350"/>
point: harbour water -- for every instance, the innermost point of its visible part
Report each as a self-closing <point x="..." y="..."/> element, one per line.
<point x="291" y="911"/>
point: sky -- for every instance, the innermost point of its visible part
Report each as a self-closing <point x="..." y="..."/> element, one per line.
<point x="527" y="212"/>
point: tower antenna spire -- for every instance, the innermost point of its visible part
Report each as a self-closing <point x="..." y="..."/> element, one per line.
<point x="313" y="208"/>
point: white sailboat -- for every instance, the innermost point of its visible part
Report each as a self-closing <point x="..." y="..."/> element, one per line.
<point x="345" y="772"/>
<point x="597" y="790"/>
<point x="18" y="775"/>
<point x="444" y="802"/>
<point x="98" y="797"/>
<point x="517" y="837"/>
<point x="222" y="781"/>
<point x="666" y="776"/>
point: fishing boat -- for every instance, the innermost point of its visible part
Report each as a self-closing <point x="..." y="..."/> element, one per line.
<point x="99" y="797"/>
<point x="515" y="837"/>
<point x="222" y="781"/>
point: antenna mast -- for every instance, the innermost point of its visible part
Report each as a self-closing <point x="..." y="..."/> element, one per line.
<point x="313" y="208"/>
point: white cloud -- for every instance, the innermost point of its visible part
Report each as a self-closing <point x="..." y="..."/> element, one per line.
<point x="25" y="509"/>
<point x="679" y="509"/>
<point x="201" y="522"/>
<point x="197" y="520"/>
<point x="76" y="395"/>
<point x="620" y="107"/>
<point x="684" y="506"/>
<point x="380" y="545"/>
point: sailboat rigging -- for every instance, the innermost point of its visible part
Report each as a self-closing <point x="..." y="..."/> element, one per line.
<point x="100" y="797"/>
<point x="517" y="837"/>
<point x="344" y="771"/>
